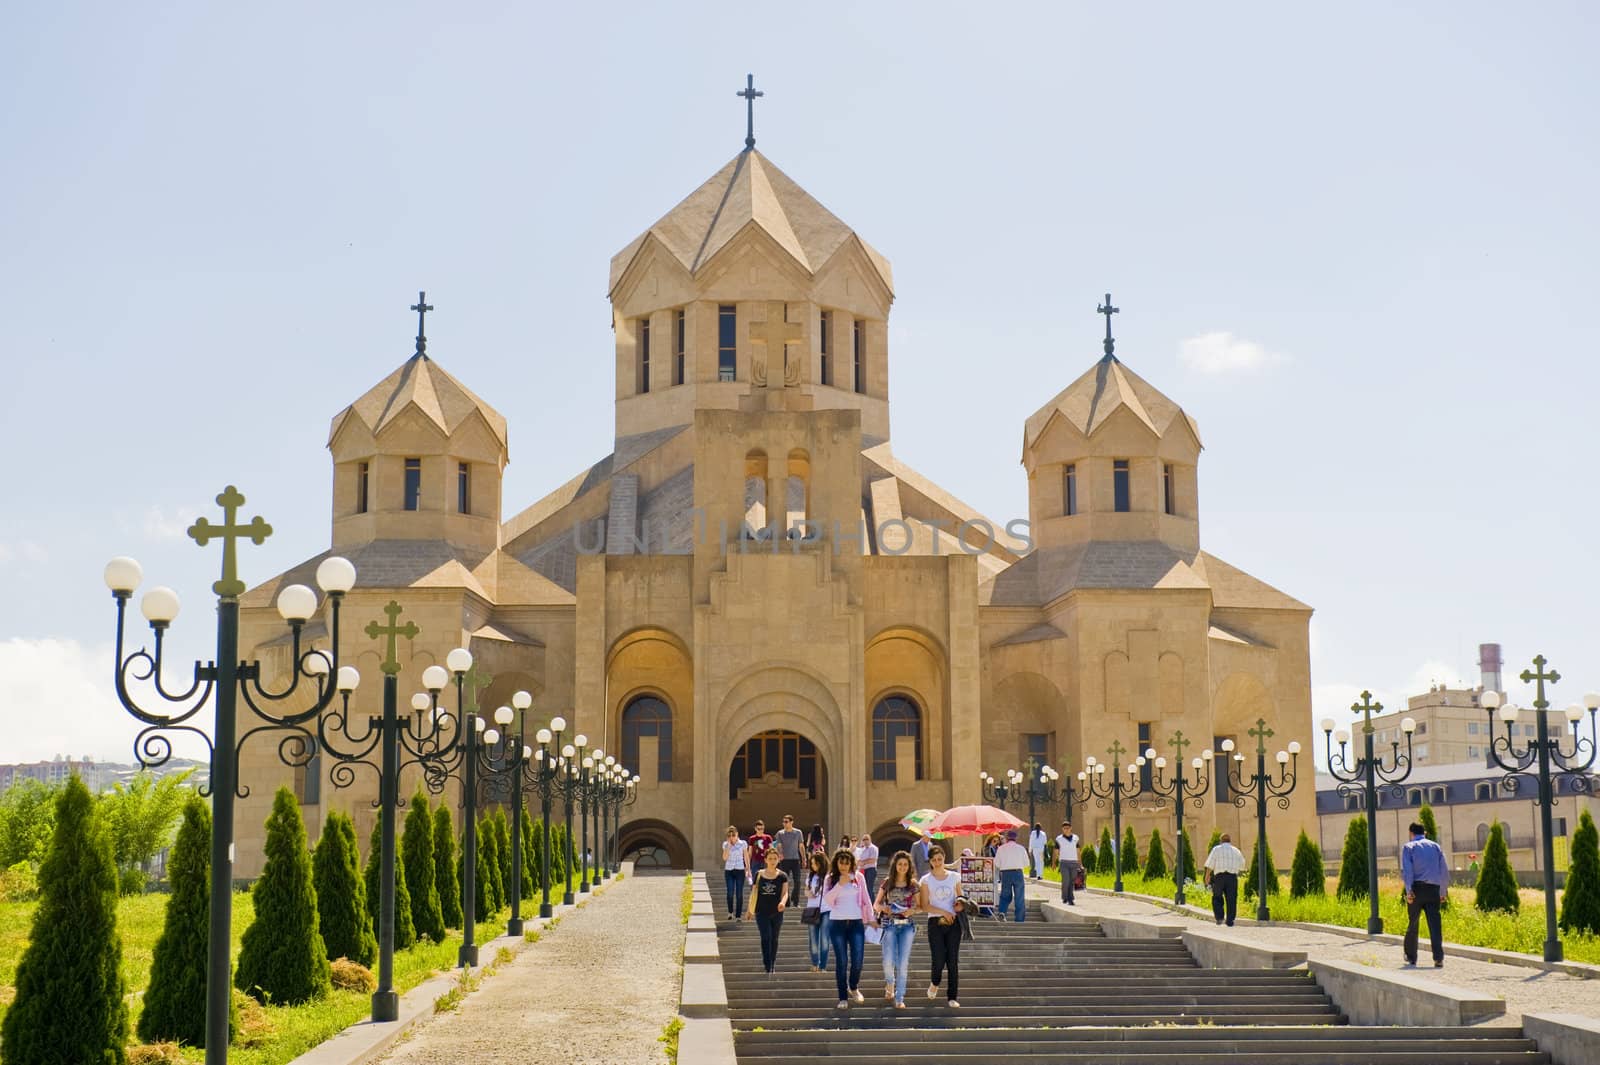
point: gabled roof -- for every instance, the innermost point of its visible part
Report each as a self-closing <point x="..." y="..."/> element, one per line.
<point x="420" y="383"/>
<point x="1107" y="387"/>
<point x="748" y="191"/>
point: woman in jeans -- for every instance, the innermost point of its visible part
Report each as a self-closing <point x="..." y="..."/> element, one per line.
<point x="769" y="892"/>
<point x="940" y="898"/>
<point x="850" y="910"/>
<point x="735" y="867"/>
<point x="819" y="931"/>
<point x="898" y="900"/>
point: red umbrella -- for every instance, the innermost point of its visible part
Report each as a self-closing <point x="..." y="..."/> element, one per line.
<point x="972" y="820"/>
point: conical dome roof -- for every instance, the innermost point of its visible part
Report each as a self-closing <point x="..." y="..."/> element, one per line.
<point x="1108" y="386"/>
<point x="419" y="382"/>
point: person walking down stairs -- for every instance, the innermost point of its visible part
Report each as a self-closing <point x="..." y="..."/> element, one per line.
<point x="769" y="894"/>
<point x="939" y="896"/>
<point x="850" y="912"/>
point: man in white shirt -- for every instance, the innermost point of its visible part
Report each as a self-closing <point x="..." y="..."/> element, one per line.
<point x="866" y="853"/>
<point x="1067" y="860"/>
<point x="1010" y="861"/>
<point x="1036" y="842"/>
<point x="1223" y="866"/>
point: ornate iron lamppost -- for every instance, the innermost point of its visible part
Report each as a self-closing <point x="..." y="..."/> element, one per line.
<point x="1093" y="785"/>
<point x="1041" y="783"/>
<point x="222" y="681"/>
<point x="1545" y="750"/>
<point x="544" y="781"/>
<point x="622" y="793"/>
<point x="1368" y="770"/>
<point x="1264" y="786"/>
<point x="506" y="757"/>
<point x="1000" y="792"/>
<point x="1180" y="789"/>
<point x="571" y="784"/>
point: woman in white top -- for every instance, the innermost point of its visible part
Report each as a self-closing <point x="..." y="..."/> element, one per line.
<point x="849" y="912"/>
<point x="735" y="868"/>
<point x="940" y="897"/>
<point x="818" y="929"/>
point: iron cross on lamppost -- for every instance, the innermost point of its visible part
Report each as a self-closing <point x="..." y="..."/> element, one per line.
<point x="1368" y="770"/>
<point x="1180" y="789"/>
<point x="1545" y="750"/>
<point x="1265" y="787"/>
<point x="1093" y="785"/>
<point x="222" y="682"/>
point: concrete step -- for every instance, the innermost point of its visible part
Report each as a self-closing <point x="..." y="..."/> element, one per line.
<point x="938" y="1017"/>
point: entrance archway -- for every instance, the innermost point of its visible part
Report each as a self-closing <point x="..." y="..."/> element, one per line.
<point x="653" y="844"/>
<point x="773" y="773"/>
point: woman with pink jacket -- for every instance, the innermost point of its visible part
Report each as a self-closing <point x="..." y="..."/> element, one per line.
<point x="849" y="905"/>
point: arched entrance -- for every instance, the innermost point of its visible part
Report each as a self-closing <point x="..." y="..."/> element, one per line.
<point x="773" y="773"/>
<point x="652" y="844"/>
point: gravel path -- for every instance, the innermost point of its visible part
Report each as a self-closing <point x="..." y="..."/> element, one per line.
<point x="596" y="991"/>
<point x="1524" y="990"/>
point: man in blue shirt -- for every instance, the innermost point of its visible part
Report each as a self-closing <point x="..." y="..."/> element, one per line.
<point x="1427" y="882"/>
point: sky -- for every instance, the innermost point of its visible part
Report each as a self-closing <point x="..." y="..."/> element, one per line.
<point x="1356" y="242"/>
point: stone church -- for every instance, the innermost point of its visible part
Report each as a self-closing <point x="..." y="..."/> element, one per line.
<point x="755" y="603"/>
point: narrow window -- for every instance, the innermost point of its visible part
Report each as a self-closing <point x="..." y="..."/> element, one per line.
<point x="1036" y="748"/>
<point x="1120" y="488"/>
<point x="363" y="482"/>
<point x="1148" y="768"/>
<point x="1219" y="769"/>
<point x="859" y="339"/>
<point x="463" y="488"/>
<point x="413" y="497"/>
<point x="680" y="347"/>
<point x="644" y="355"/>
<point x="827" y="353"/>
<point x="1168" y="502"/>
<point x="727" y="342"/>
<point x="1069" y="489"/>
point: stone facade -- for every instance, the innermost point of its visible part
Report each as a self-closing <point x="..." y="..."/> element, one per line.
<point x="828" y="632"/>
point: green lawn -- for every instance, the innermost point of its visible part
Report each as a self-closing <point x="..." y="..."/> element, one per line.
<point x="1522" y="932"/>
<point x="274" y="1034"/>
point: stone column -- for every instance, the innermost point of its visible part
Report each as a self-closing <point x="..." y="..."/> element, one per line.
<point x="966" y="736"/>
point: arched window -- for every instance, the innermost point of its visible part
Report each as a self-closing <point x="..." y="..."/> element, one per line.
<point x="647" y="715"/>
<point x="892" y="718"/>
<point x="1484" y="790"/>
<point x="1483" y="836"/>
<point x="755" y="497"/>
<point x="1414" y="797"/>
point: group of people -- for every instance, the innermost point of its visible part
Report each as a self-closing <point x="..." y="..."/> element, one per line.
<point x="843" y="905"/>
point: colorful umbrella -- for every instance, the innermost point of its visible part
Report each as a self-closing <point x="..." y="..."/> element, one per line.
<point x="973" y="820"/>
<point x="918" y="822"/>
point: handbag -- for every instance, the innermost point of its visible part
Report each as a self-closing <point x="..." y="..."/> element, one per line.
<point x="811" y="915"/>
<point x="1078" y="879"/>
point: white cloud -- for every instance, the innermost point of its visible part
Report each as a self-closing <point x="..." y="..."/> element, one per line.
<point x="23" y="551"/>
<point x="158" y="524"/>
<point x="1222" y="352"/>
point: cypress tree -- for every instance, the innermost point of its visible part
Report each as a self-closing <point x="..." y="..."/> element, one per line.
<point x="1353" y="860"/>
<point x="70" y="1004"/>
<point x="1087" y="858"/>
<point x="1306" y="873"/>
<point x="1186" y="866"/>
<point x="341" y="896"/>
<point x="1216" y="838"/>
<point x="1155" y="862"/>
<point x="1253" y="874"/>
<point x="175" y="999"/>
<point x="537" y="856"/>
<point x="488" y="872"/>
<point x="405" y="930"/>
<point x="502" y="854"/>
<point x="1130" y="852"/>
<point x="528" y="859"/>
<point x="1430" y="827"/>
<point x="1107" y="858"/>
<point x="282" y="959"/>
<point x="1497" y="884"/>
<point x="1580" y="899"/>
<point x="416" y="847"/>
<point x="444" y="866"/>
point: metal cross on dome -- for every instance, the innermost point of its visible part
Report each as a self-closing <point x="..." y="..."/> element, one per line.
<point x="422" y="307"/>
<point x="749" y="93"/>
<point x="1108" y="310"/>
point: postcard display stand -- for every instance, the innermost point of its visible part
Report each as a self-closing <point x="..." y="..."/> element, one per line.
<point x="978" y="881"/>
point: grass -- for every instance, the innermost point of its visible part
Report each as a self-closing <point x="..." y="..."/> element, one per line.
<point x="1521" y="932"/>
<point x="669" y="1038"/>
<point x="688" y="899"/>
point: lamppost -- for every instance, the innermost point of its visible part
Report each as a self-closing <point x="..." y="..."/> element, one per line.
<point x="544" y="781"/>
<point x="1041" y="781"/>
<point x="1000" y="792"/>
<point x="422" y="739"/>
<point x="1265" y="787"/>
<point x="1367" y="770"/>
<point x="222" y="681"/>
<point x="571" y="789"/>
<point x="1545" y="749"/>
<point x="1176" y="787"/>
<point x="1093" y="785"/>
<point x="624" y="792"/>
<point x="506" y="757"/>
<point x="605" y="768"/>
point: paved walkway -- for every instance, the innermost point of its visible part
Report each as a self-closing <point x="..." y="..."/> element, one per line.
<point x="596" y="991"/>
<point x="1524" y="990"/>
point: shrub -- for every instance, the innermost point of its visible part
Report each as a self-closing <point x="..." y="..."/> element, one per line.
<point x="1186" y="865"/>
<point x="488" y="871"/>
<point x="352" y="976"/>
<point x="281" y="956"/>
<point x="20" y="883"/>
<point x="1253" y="874"/>
<point x="141" y="815"/>
<point x="175" y="998"/>
<point x="1353" y="871"/>
<point x="1130" y="852"/>
<point x="70" y="1004"/>
<point x="1216" y="838"/>
<point x="416" y="850"/>
<point x="1430" y="827"/>
<point x="342" y="915"/>
<point x="1155" y="862"/>
<point x="405" y="931"/>
<point x="529" y="861"/>
<point x="1497" y="884"/>
<point x="131" y="881"/>
<point x="1087" y="858"/>
<point x="1580" y="900"/>
<point x="502" y="854"/>
<point x="155" y="1054"/>
<point x="444" y="866"/>
<point x="27" y="821"/>
<point x="1107" y="858"/>
<point x="536" y="854"/>
<point x="1306" y="872"/>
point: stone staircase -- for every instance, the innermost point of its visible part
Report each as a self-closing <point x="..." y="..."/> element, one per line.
<point x="1065" y="994"/>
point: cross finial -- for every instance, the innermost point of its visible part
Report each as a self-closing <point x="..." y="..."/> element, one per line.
<point x="409" y="630"/>
<point x="422" y="307"/>
<point x="1108" y="310"/>
<point x="1116" y="751"/>
<point x="1177" y="742"/>
<point x="749" y="93"/>
<point x="1537" y="676"/>
<point x="202" y="531"/>
<point x="1261" y="732"/>
<point x="476" y="680"/>
<point x="1366" y="708"/>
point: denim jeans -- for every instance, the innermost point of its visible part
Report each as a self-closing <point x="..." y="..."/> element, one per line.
<point x="819" y="942"/>
<point x="734" y="878"/>
<point x="897" y="940"/>
<point x="769" y="925"/>
<point x="849" y="939"/>
<point x="1013" y="892"/>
